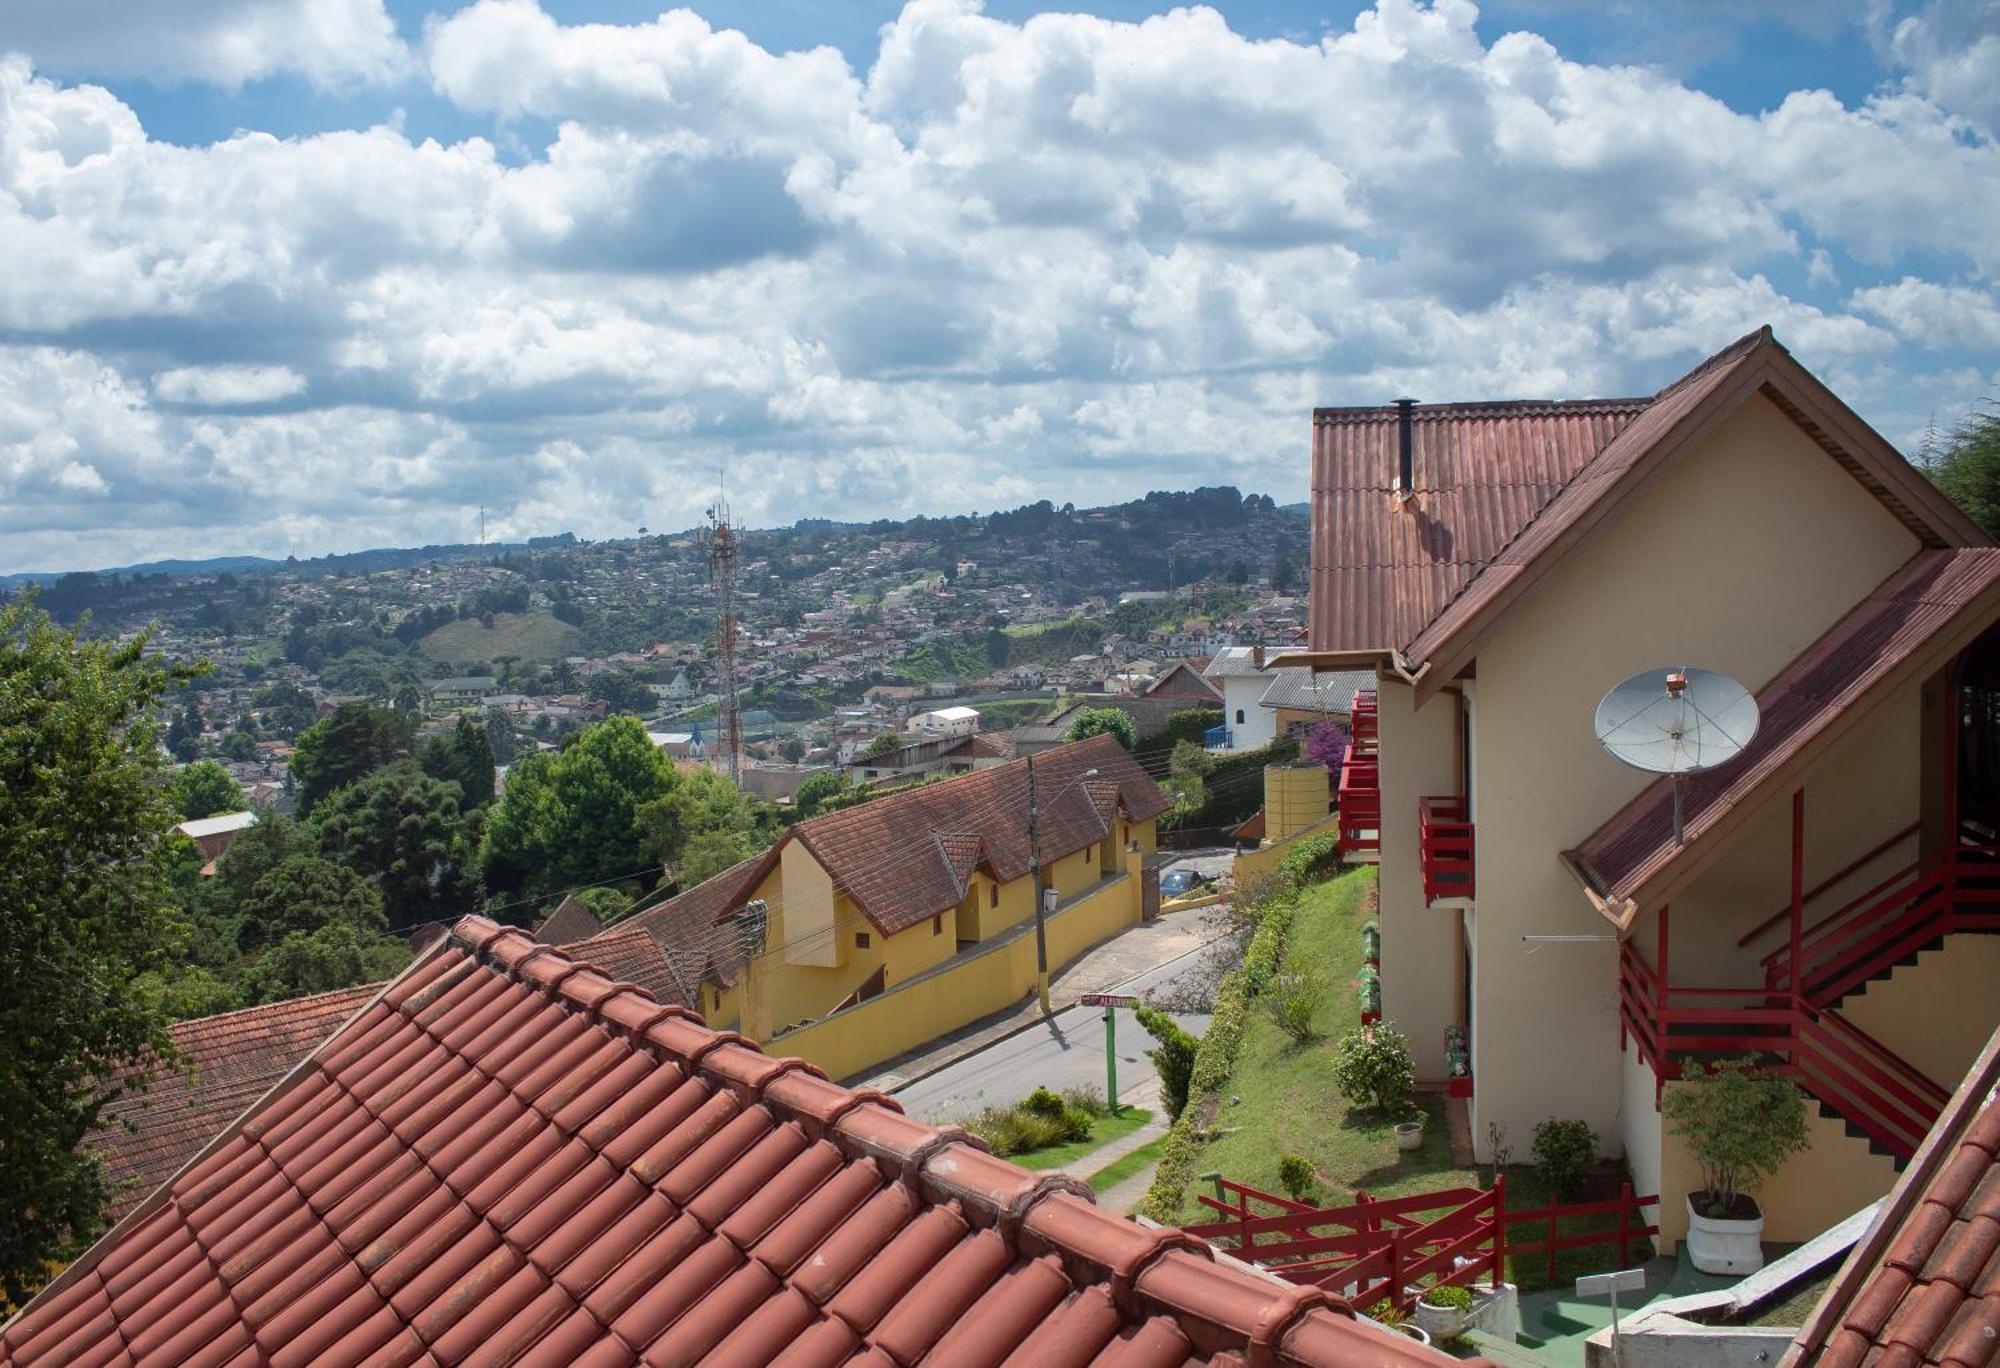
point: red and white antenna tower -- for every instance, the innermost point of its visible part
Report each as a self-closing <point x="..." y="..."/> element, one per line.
<point x="720" y="541"/>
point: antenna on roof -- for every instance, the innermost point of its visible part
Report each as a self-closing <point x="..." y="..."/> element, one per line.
<point x="1680" y="721"/>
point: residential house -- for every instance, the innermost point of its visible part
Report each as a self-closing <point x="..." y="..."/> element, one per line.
<point x="1183" y="680"/>
<point x="1300" y="699"/>
<point x="1499" y="567"/>
<point x="1241" y="674"/>
<point x="949" y="722"/>
<point x="950" y="754"/>
<point x="213" y="836"/>
<point x="508" y="1156"/>
<point x="462" y="691"/>
<point x="868" y="899"/>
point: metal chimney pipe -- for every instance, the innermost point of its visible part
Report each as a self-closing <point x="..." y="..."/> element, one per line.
<point x="1405" y="479"/>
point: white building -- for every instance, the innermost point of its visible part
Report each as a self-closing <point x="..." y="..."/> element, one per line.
<point x="1241" y="676"/>
<point x="948" y="722"/>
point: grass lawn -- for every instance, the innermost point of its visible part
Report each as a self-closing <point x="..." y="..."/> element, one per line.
<point x="1282" y="1100"/>
<point x="1102" y="1132"/>
<point x="1118" y="1170"/>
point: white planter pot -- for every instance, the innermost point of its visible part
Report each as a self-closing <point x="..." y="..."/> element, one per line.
<point x="1410" y="1135"/>
<point x="1442" y="1322"/>
<point x="1714" y="1246"/>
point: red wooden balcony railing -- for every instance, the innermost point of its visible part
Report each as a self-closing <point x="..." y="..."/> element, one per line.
<point x="1359" y="798"/>
<point x="1446" y="843"/>
<point x="1948" y="891"/>
<point x="1869" y="1085"/>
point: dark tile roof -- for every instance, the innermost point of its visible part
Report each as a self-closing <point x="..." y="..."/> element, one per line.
<point x="691" y="929"/>
<point x="1183" y="679"/>
<point x="1929" y="609"/>
<point x="227" y="1062"/>
<point x="570" y="922"/>
<point x="631" y="954"/>
<point x="1923" y="1284"/>
<point x="510" y="1159"/>
<point x="1504" y="489"/>
<point x="882" y="854"/>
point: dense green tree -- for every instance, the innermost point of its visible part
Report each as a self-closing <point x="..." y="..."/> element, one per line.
<point x="85" y="805"/>
<point x="887" y="743"/>
<point x="1965" y="464"/>
<point x="570" y="817"/>
<point x="711" y="852"/>
<point x="288" y="709"/>
<point x="337" y="956"/>
<point x="502" y="738"/>
<point x="465" y="758"/>
<point x="182" y="992"/>
<point x="351" y="742"/>
<point x="698" y="802"/>
<point x="816" y="790"/>
<point x="624" y="692"/>
<point x="1097" y="721"/>
<point x="240" y="745"/>
<point x="398" y="828"/>
<point x="793" y="749"/>
<point x="205" y="788"/>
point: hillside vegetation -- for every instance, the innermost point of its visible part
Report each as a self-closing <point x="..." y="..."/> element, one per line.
<point x="526" y="636"/>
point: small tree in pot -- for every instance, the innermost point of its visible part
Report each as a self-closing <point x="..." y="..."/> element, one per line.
<point x="1740" y="1123"/>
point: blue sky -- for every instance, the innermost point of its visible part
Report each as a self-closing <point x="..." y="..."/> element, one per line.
<point x="307" y="275"/>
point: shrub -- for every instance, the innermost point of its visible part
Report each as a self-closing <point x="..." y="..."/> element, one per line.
<point x="1450" y="1297"/>
<point x="1564" y="1152"/>
<point x="1173" y="1057"/>
<point x="1075" y="1123"/>
<point x="1385" y="1313"/>
<point x="1372" y="1068"/>
<point x="1741" y="1124"/>
<point x="1295" y="1173"/>
<point x="1042" y="1102"/>
<point x="1293" y="1000"/>
<point x="1311" y="858"/>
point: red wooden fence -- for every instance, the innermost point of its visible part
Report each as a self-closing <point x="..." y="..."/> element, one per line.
<point x="1392" y="1248"/>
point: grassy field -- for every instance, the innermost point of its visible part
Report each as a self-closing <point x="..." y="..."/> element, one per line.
<point x="526" y="636"/>
<point x="1281" y="1100"/>
<point x="1107" y="1129"/>
<point x="1118" y="1170"/>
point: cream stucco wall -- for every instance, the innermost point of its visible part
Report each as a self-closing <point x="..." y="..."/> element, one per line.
<point x="1735" y="559"/>
<point x="1420" y="944"/>
<point x="811" y="936"/>
<point x="1938" y="1012"/>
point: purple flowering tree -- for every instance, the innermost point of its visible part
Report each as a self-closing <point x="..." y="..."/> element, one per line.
<point x="1327" y="744"/>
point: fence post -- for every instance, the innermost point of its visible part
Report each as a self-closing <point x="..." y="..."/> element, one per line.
<point x="1624" y="1225"/>
<point x="1396" y="1298"/>
<point x="1552" y="1240"/>
<point x="1368" y="1223"/>
<point x="1499" y="1228"/>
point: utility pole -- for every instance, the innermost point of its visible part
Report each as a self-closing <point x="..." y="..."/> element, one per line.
<point x="1035" y="859"/>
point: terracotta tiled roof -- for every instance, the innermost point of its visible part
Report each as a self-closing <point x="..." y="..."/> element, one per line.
<point x="883" y="856"/>
<point x="630" y="954"/>
<point x="1503" y="490"/>
<point x="1924" y="613"/>
<point x="570" y="922"/>
<point x="1183" y="679"/>
<point x="1923" y="1285"/>
<point x="510" y="1159"/>
<point x="692" y="929"/>
<point x="227" y="1062"/>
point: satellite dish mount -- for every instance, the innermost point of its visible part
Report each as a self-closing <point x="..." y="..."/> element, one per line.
<point x="1680" y="720"/>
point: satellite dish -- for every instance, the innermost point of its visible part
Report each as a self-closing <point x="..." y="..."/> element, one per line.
<point x="1679" y="720"/>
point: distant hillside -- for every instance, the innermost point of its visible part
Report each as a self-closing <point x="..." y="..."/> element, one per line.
<point x="525" y="636"/>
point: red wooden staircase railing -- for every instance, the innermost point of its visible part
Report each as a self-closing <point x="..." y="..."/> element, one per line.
<point x="1872" y="1088"/>
<point x="1360" y="793"/>
<point x="1445" y="838"/>
<point x="1945" y="892"/>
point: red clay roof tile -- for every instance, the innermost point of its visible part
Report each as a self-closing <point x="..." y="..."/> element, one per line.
<point x="487" y="1169"/>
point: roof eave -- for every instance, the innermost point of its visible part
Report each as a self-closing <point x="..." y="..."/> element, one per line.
<point x="1367" y="658"/>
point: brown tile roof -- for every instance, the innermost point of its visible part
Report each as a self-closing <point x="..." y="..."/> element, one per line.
<point x="631" y="954"/>
<point x="1183" y="679"/>
<point x="227" y="1062"/>
<point x="1923" y="614"/>
<point x="691" y="929"/>
<point x="883" y="856"/>
<point x="1923" y="1284"/>
<point x="510" y="1159"/>
<point x="1504" y="490"/>
<point x="570" y="922"/>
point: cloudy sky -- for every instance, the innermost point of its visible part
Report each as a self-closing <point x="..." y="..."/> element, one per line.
<point x="296" y="276"/>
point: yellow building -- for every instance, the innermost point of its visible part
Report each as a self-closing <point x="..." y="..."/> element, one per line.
<point x="1498" y="568"/>
<point x="924" y="896"/>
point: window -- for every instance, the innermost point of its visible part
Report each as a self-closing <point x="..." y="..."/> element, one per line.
<point x="993" y="895"/>
<point x="1239" y="717"/>
<point x="937" y="924"/>
<point x="860" y="940"/>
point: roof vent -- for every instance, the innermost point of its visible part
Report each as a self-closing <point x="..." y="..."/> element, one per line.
<point x="1405" y="479"/>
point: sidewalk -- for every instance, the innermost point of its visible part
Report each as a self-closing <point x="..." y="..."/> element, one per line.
<point x="1171" y="936"/>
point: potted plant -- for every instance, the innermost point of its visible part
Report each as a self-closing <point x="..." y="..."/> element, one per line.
<point x="1444" y="1312"/>
<point x="1740" y="1123"/>
<point x="1410" y="1134"/>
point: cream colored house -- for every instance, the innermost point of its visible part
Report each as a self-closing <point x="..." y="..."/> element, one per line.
<point x="1501" y="566"/>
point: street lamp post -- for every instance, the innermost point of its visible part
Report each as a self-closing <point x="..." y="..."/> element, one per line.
<point x="1042" y="893"/>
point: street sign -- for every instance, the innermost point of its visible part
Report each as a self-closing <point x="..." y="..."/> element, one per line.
<point x="1107" y="1000"/>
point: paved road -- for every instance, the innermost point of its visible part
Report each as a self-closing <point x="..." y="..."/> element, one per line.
<point x="1066" y="1051"/>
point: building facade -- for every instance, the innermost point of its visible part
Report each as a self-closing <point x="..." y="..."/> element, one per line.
<point x="1499" y="568"/>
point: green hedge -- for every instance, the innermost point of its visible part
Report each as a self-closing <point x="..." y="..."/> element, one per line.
<point x="1216" y="1055"/>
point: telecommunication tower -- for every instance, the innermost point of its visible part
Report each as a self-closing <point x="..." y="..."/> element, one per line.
<point x="720" y="541"/>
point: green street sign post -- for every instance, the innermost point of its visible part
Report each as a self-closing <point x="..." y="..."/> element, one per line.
<point x="1110" y="1002"/>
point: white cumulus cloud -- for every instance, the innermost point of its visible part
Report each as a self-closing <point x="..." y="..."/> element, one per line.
<point x="226" y="42"/>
